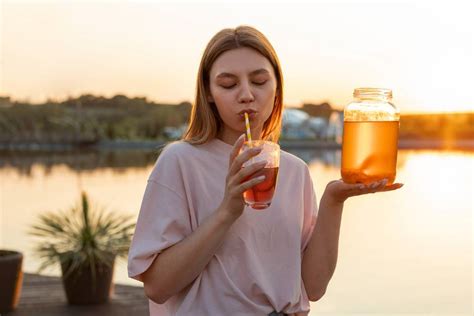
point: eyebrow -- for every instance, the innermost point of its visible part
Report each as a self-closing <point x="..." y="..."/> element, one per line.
<point x="255" y="72"/>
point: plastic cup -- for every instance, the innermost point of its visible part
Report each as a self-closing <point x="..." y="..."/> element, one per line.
<point x="260" y="196"/>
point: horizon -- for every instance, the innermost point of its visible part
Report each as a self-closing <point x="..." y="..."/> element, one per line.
<point x="187" y="101"/>
<point x="326" y="49"/>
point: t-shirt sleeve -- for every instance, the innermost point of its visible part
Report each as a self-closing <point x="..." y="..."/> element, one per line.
<point x="310" y="210"/>
<point x="163" y="220"/>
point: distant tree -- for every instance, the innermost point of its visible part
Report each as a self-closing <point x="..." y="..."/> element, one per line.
<point x="319" y="110"/>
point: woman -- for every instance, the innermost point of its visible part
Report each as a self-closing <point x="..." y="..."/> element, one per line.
<point x="197" y="248"/>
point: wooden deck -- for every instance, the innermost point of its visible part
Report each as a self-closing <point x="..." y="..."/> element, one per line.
<point x="44" y="296"/>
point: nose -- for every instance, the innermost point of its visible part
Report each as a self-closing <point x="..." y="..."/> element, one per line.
<point x="245" y="94"/>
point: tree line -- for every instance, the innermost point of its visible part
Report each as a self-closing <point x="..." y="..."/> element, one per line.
<point x="89" y="119"/>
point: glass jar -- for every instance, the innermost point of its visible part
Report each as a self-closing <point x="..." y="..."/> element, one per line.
<point x="370" y="137"/>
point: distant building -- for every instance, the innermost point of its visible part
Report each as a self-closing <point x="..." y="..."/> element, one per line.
<point x="294" y="125"/>
<point x="318" y="125"/>
<point x="172" y="132"/>
<point x="335" y="126"/>
<point x="298" y="124"/>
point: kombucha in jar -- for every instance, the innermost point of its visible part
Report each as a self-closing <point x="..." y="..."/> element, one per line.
<point x="370" y="137"/>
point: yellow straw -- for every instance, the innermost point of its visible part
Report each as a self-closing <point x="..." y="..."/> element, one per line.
<point x="247" y="126"/>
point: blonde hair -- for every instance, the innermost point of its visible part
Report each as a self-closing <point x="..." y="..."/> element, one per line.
<point x="205" y="122"/>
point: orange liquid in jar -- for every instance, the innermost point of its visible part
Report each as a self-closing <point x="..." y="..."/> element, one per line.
<point x="369" y="151"/>
<point x="260" y="195"/>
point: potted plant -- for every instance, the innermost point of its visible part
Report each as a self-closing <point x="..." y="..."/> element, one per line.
<point x="11" y="276"/>
<point x="85" y="242"/>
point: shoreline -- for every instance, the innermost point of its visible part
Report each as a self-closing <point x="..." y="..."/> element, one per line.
<point x="435" y="144"/>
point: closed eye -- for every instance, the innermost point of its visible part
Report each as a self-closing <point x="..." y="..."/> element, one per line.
<point x="259" y="83"/>
<point x="229" y="87"/>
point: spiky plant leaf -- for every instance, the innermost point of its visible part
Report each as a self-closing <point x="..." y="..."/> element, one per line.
<point x="82" y="237"/>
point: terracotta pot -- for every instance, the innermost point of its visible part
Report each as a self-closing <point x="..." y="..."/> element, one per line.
<point x="11" y="276"/>
<point x="82" y="289"/>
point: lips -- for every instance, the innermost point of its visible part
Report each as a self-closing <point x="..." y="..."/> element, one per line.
<point x="252" y="114"/>
<point x="247" y="110"/>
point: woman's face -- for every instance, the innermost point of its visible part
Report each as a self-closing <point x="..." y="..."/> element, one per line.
<point x="242" y="80"/>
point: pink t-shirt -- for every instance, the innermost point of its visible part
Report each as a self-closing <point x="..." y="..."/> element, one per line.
<point x="257" y="269"/>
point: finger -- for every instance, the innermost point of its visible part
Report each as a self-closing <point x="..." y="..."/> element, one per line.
<point x="376" y="184"/>
<point x="243" y="157"/>
<point x="249" y="170"/>
<point x="365" y="189"/>
<point x="392" y="187"/>
<point x="380" y="188"/>
<point x="360" y="188"/>
<point x="248" y="184"/>
<point x="357" y="186"/>
<point x="354" y="187"/>
<point x="236" y="149"/>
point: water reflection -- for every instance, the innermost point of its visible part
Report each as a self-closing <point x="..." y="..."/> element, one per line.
<point x="120" y="160"/>
<point x="326" y="157"/>
<point x="77" y="160"/>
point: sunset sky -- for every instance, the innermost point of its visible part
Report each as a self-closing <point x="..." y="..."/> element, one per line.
<point x="422" y="50"/>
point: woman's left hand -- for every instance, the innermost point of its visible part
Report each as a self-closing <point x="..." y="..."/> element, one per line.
<point x="340" y="191"/>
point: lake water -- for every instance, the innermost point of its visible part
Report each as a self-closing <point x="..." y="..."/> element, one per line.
<point x="406" y="252"/>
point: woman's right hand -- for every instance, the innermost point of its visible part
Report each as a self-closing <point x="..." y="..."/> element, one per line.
<point x="233" y="201"/>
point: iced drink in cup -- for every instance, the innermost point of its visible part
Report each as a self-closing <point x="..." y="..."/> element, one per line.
<point x="260" y="195"/>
